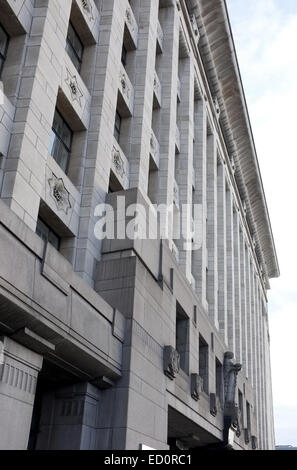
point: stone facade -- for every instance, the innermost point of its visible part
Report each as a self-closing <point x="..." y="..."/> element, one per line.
<point x="128" y="343"/>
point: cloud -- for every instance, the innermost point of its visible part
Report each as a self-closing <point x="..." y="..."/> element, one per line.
<point x="265" y="33"/>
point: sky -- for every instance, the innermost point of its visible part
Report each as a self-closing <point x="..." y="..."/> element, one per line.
<point x="265" y="35"/>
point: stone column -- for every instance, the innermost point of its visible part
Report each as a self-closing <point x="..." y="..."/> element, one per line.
<point x="259" y="371"/>
<point x="200" y="167"/>
<point x="19" y="368"/>
<point x="253" y="326"/>
<point x="143" y="77"/>
<point x="184" y="171"/>
<point x="166" y="115"/>
<point x="222" y="255"/>
<point x="230" y="271"/>
<point x="249" y="315"/>
<point x="212" y="229"/>
<point x="243" y="300"/>
<point x="237" y="285"/>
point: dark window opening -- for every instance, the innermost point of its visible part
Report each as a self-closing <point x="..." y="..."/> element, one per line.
<point x="124" y="56"/>
<point x="74" y="47"/>
<point x="219" y="380"/>
<point x="47" y="234"/>
<point x="182" y="337"/>
<point x="240" y="405"/>
<point x="248" y="415"/>
<point x="4" y="39"/>
<point x="114" y="184"/>
<point x="117" y="126"/>
<point x="203" y="363"/>
<point x="61" y="141"/>
<point x="153" y="181"/>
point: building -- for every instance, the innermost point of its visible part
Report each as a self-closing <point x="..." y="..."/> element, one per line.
<point x="125" y="343"/>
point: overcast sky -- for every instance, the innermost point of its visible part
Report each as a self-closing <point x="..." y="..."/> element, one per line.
<point x="265" y="33"/>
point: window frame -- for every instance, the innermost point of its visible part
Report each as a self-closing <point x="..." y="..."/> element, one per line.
<point x="124" y="55"/>
<point x="69" y="44"/>
<point x="68" y="149"/>
<point x="50" y="232"/>
<point x="117" y="129"/>
<point x="3" y="56"/>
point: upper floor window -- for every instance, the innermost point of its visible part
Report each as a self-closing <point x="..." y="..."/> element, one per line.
<point x="124" y="56"/>
<point x="117" y="126"/>
<point x="74" y="47"/>
<point x="47" y="234"/>
<point x="4" y="38"/>
<point x="61" y="141"/>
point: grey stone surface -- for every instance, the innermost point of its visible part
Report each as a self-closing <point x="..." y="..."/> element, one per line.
<point x="89" y="324"/>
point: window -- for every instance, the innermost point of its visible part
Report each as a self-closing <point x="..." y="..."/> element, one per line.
<point x="124" y="56"/>
<point x="182" y="337"/>
<point x="3" y="47"/>
<point x="219" y="380"/>
<point x="61" y="140"/>
<point x="240" y="405"/>
<point x="117" y="126"/>
<point x="47" y="234"/>
<point x="203" y="362"/>
<point x="248" y="416"/>
<point x="74" y="47"/>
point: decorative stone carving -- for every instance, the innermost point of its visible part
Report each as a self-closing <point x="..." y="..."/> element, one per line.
<point x="124" y="84"/>
<point x="153" y="144"/>
<point x="60" y="194"/>
<point x="213" y="404"/>
<point x="130" y="18"/>
<point x="246" y="436"/>
<point x="254" y="443"/>
<point x="154" y="147"/>
<point x="88" y="9"/>
<point x="171" y="362"/>
<point x="195" y="27"/>
<point x="76" y="93"/>
<point x="233" y="417"/>
<point x="230" y="377"/>
<point x="118" y="162"/>
<point x="217" y="107"/>
<point x="196" y="386"/>
<point x="233" y="165"/>
<point x="176" y="193"/>
<point x="231" y="410"/>
<point x="254" y="241"/>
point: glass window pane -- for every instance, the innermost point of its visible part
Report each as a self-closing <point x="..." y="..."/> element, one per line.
<point x="60" y="154"/>
<point x="66" y="136"/>
<point x="78" y="47"/>
<point x="47" y="235"/>
<point x="74" y="47"/>
<point x="73" y="57"/>
<point x="54" y="240"/>
<point x="55" y="147"/>
<point x="52" y="142"/>
<point x="3" y="41"/>
<point x="1" y="65"/>
<point x="58" y="124"/>
<point x="60" y="142"/>
<point x="42" y="230"/>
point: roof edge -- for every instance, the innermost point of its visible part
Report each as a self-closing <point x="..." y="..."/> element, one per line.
<point x="218" y="49"/>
